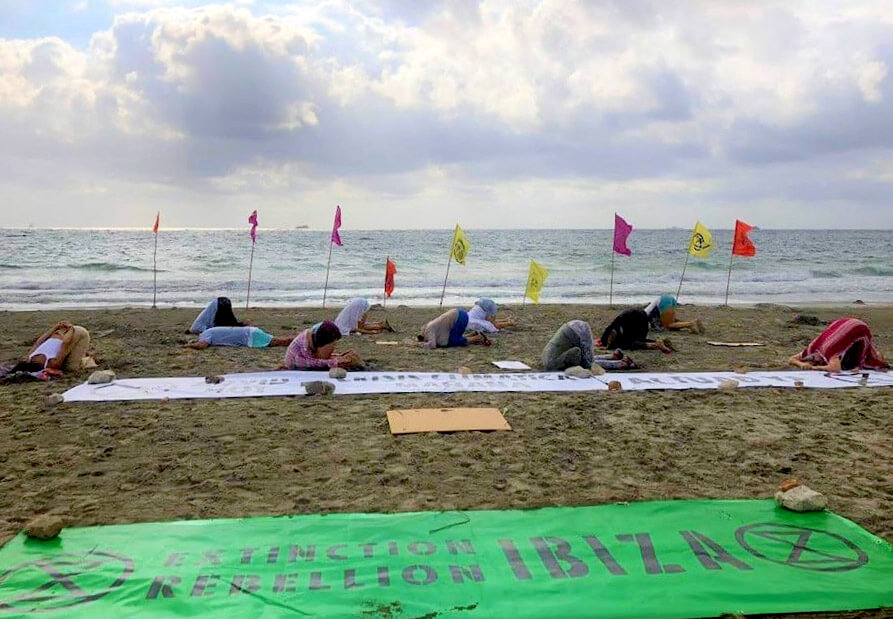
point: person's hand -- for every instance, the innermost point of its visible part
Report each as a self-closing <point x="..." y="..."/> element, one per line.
<point x="247" y="322"/>
<point x="63" y="324"/>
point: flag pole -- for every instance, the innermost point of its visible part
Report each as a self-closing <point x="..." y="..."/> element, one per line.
<point x="155" y="272"/>
<point x="250" y="265"/>
<point x="384" y="292"/>
<point x="449" y="261"/>
<point x="611" y="294"/>
<point x="328" y="264"/>
<point x="729" y="280"/>
<point x="679" y="289"/>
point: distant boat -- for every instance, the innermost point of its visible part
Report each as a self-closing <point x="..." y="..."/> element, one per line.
<point x="301" y="227"/>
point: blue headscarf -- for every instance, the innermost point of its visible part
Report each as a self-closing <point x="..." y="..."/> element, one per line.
<point x="457" y="332"/>
<point x="488" y="305"/>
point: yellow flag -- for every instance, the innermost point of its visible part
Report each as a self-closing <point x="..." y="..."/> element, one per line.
<point x="701" y="243"/>
<point x="535" y="280"/>
<point x="460" y="245"/>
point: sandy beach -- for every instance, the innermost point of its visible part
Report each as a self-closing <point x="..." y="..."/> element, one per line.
<point x="135" y="462"/>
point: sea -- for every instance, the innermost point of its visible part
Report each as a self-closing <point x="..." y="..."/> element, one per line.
<point x="44" y="269"/>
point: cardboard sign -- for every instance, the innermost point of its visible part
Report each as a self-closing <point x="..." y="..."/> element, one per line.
<point x="410" y="420"/>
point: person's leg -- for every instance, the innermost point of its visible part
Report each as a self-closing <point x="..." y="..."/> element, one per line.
<point x="199" y="345"/>
<point x="80" y="343"/>
<point x="664" y="345"/>
<point x="280" y="341"/>
<point x="569" y="358"/>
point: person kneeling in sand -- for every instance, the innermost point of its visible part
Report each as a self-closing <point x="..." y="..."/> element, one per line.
<point x="217" y="313"/>
<point x="844" y="345"/>
<point x="64" y="347"/>
<point x="251" y="337"/>
<point x="448" y="330"/>
<point x="314" y="349"/>
<point x="482" y="317"/>
<point x="630" y="330"/>
<point x="662" y="315"/>
<point x="573" y="345"/>
<point x="352" y="319"/>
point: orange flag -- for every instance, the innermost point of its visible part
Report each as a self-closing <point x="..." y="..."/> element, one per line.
<point x="157" y="218"/>
<point x="390" y="270"/>
<point x="743" y="246"/>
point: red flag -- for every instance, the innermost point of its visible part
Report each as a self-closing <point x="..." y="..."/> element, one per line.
<point x="157" y="219"/>
<point x="621" y="233"/>
<point x="743" y="246"/>
<point x="390" y="270"/>
<point x="252" y="219"/>
<point x="336" y="238"/>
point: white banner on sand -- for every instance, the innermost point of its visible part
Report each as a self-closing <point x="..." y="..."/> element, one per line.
<point x="258" y="384"/>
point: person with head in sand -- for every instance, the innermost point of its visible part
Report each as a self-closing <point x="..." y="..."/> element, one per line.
<point x="662" y="315"/>
<point x="250" y="337"/>
<point x="352" y="319"/>
<point x="482" y="317"/>
<point x="314" y="349"/>
<point x="448" y="330"/>
<point x="218" y="313"/>
<point x="64" y="347"/>
<point x="630" y="330"/>
<point x="844" y="345"/>
<point x="573" y="345"/>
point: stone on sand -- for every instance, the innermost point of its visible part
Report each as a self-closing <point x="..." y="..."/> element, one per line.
<point x="44" y="526"/>
<point x="596" y="369"/>
<point x="615" y="385"/>
<point x="801" y="499"/>
<point x="578" y="372"/>
<point x="101" y="377"/>
<point x="728" y="385"/>
<point x="337" y="373"/>
<point x="214" y="380"/>
<point x="464" y="370"/>
<point x="53" y="399"/>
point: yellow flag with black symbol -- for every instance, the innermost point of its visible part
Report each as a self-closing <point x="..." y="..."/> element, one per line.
<point x="460" y="245"/>
<point x="701" y="243"/>
<point x="535" y="280"/>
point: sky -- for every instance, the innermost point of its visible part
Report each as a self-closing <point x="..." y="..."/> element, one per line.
<point x="409" y="114"/>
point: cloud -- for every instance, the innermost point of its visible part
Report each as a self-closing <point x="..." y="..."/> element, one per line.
<point x="460" y="105"/>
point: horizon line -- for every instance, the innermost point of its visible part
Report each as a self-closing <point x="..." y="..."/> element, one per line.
<point x="303" y="229"/>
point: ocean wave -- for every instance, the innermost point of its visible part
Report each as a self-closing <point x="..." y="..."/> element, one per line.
<point x="109" y="266"/>
<point x="825" y="274"/>
<point x="873" y="270"/>
<point x="11" y="266"/>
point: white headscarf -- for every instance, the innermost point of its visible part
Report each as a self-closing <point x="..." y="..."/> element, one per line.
<point x="350" y="316"/>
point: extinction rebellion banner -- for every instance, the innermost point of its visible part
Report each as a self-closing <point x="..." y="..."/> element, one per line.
<point x="658" y="559"/>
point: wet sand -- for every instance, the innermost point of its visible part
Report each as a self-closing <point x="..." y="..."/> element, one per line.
<point x="132" y="462"/>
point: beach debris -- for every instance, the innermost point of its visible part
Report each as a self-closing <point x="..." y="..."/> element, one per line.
<point x="790" y="482"/>
<point x="800" y="498"/>
<point x="53" y="399"/>
<point x="100" y="377"/>
<point x="615" y="385"/>
<point x="806" y="319"/>
<point x="464" y="370"/>
<point x="318" y="387"/>
<point x="864" y="380"/>
<point x="578" y="372"/>
<point x="858" y="302"/>
<point x="44" y="526"/>
<point x="743" y="369"/>
<point x="104" y="333"/>
<point x="214" y="379"/>
<point x="728" y="384"/>
<point x="338" y="373"/>
<point x="699" y="325"/>
<point x="798" y="384"/>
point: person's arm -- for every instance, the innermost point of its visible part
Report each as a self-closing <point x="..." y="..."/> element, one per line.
<point x="59" y="360"/>
<point x="300" y="358"/>
<point x="832" y="366"/>
<point x="43" y="338"/>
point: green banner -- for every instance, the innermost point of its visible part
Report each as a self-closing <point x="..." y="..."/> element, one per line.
<point x="660" y="559"/>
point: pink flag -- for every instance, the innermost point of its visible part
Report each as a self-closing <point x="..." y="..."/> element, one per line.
<point x="252" y="219"/>
<point x="621" y="233"/>
<point x="336" y="238"/>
